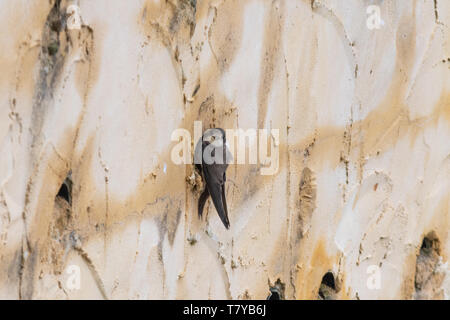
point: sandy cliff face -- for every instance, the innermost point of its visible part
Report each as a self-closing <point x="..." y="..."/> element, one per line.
<point x="358" y="209"/>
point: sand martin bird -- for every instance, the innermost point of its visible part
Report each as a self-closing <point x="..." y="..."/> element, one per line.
<point x="211" y="160"/>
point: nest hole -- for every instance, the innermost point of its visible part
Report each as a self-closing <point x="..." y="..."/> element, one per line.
<point x="65" y="190"/>
<point x="328" y="288"/>
<point x="429" y="277"/>
<point x="276" y="291"/>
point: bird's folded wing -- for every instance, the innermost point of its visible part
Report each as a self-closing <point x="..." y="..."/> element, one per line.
<point x="215" y="185"/>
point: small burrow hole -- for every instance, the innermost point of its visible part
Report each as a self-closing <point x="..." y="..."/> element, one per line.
<point x="65" y="190"/>
<point x="328" y="288"/>
<point x="274" y="295"/>
<point x="429" y="276"/>
<point x="276" y="291"/>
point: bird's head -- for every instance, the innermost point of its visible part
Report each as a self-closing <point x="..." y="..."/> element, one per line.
<point x="216" y="135"/>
